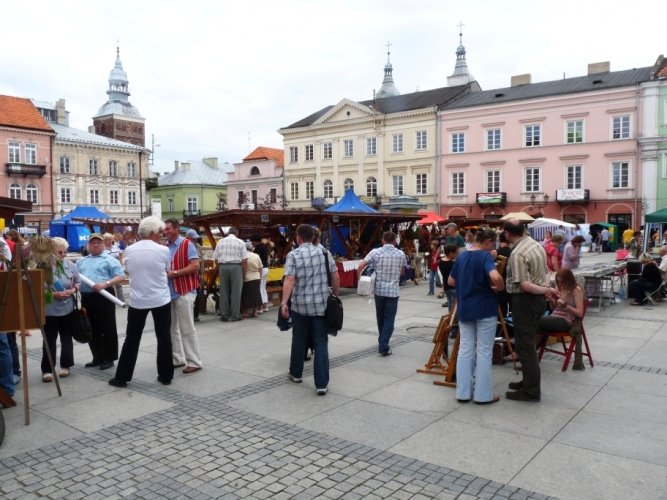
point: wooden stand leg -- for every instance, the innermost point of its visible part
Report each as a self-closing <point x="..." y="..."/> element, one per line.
<point x="435" y="365"/>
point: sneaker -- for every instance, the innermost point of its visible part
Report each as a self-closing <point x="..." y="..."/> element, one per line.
<point x="321" y="392"/>
<point x="64" y="372"/>
<point x="386" y="353"/>
<point x="296" y="380"/>
<point x="16" y="379"/>
<point x="47" y="377"/>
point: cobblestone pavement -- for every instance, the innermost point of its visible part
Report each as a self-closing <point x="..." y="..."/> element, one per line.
<point x="204" y="448"/>
<point x="232" y="430"/>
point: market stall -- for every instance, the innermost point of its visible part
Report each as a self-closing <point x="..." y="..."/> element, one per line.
<point x="348" y="235"/>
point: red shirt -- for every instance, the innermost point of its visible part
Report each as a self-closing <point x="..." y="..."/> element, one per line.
<point x="552" y="251"/>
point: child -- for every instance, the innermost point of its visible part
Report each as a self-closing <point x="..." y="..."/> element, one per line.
<point x="445" y="266"/>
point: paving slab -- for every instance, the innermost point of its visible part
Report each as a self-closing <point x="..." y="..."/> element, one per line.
<point x="577" y="473"/>
<point x="240" y="429"/>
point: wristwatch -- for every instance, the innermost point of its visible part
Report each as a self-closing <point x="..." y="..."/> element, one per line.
<point x="108" y="283"/>
<point x="175" y="273"/>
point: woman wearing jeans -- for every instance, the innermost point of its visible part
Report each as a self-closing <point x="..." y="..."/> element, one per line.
<point x="476" y="279"/>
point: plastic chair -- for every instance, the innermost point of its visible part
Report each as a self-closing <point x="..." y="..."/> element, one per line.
<point x="655" y="296"/>
<point x="567" y="349"/>
<point x="622" y="254"/>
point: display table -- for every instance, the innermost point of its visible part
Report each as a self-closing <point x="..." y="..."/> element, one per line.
<point x="275" y="274"/>
<point x="347" y="273"/>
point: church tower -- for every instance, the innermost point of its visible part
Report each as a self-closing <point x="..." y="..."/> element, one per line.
<point x="388" y="88"/>
<point x="461" y="75"/>
<point x="117" y="118"/>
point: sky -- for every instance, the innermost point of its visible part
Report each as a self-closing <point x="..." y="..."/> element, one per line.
<point x="219" y="78"/>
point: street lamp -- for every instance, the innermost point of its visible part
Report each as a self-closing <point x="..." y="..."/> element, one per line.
<point x="537" y="205"/>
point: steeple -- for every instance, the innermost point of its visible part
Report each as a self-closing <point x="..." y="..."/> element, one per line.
<point x="119" y="87"/>
<point x="461" y="74"/>
<point x="117" y="118"/>
<point x="388" y="88"/>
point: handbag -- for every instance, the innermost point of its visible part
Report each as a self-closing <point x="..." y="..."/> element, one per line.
<point x="81" y="330"/>
<point x="333" y="314"/>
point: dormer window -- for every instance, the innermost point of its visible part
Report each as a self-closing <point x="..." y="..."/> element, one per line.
<point x="254" y="171"/>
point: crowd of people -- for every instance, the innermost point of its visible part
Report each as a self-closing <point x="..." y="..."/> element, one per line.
<point x="165" y="272"/>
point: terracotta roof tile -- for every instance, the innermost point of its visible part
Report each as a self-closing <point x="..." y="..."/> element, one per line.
<point x="263" y="153"/>
<point x="22" y="113"/>
<point x="662" y="73"/>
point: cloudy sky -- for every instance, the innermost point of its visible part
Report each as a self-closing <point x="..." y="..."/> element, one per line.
<point x="219" y="77"/>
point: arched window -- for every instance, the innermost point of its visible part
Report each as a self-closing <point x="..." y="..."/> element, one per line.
<point x="31" y="193"/>
<point x="371" y="186"/>
<point x="15" y="191"/>
<point x="348" y="184"/>
<point x="328" y="189"/>
<point x="254" y="171"/>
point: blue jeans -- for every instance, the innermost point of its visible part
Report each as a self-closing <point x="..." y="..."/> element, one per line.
<point x="6" y="381"/>
<point x="473" y="365"/>
<point x="432" y="276"/>
<point x="385" y="312"/>
<point x="317" y="327"/>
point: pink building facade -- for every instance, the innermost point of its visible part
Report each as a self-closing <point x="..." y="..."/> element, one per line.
<point x="257" y="182"/>
<point x="26" y="145"/>
<point x="566" y="149"/>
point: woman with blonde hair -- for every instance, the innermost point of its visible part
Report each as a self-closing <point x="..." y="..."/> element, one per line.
<point x="649" y="281"/>
<point x="58" y="313"/>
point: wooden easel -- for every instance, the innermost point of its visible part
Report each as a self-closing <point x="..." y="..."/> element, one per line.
<point x="435" y="365"/>
<point x="13" y="316"/>
<point x="450" y="374"/>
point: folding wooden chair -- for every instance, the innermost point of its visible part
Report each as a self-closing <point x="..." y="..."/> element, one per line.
<point x="567" y="349"/>
<point x="655" y="296"/>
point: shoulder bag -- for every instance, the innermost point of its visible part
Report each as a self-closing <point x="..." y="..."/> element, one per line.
<point x="334" y="311"/>
<point x="81" y="330"/>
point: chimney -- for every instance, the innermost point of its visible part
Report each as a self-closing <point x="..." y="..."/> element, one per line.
<point x="524" y="79"/>
<point x="599" y="67"/>
<point x="175" y="165"/>
<point x="62" y="116"/>
<point x="211" y="162"/>
<point x="185" y="165"/>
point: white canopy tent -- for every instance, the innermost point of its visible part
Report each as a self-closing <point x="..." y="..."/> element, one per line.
<point x="540" y="226"/>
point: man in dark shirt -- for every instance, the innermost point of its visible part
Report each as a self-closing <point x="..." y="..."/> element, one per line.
<point x="263" y="251"/>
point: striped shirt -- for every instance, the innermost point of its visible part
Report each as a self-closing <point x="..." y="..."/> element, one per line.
<point x="311" y="289"/>
<point x="388" y="262"/>
<point x="230" y="250"/>
<point x="527" y="262"/>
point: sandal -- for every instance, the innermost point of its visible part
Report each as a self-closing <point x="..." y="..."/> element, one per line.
<point x="47" y="377"/>
<point x="495" y="399"/>
<point x="64" y="372"/>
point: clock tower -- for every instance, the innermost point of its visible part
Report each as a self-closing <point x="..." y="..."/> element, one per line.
<point x="117" y="118"/>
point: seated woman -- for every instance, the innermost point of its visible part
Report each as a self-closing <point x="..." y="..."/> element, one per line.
<point x="649" y="281"/>
<point x="568" y="306"/>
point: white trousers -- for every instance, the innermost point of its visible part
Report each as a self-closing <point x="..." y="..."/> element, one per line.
<point x="262" y="285"/>
<point x="184" y="342"/>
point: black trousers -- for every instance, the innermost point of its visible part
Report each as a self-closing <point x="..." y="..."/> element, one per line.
<point x="136" y="321"/>
<point x="53" y="326"/>
<point x="102" y="315"/>
<point x="527" y="309"/>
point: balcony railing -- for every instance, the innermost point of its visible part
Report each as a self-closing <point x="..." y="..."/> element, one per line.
<point x="191" y="213"/>
<point x="25" y="169"/>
